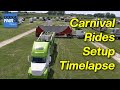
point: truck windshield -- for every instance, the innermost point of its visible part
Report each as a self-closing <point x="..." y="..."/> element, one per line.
<point x="38" y="60"/>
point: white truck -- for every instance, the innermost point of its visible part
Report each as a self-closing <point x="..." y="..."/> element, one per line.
<point x="80" y="34"/>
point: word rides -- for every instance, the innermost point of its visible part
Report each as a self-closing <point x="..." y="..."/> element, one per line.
<point x="99" y="37"/>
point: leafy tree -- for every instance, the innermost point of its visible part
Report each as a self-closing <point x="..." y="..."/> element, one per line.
<point x="100" y="15"/>
<point x="110" y="15"/>
<point x="113" y="15"/>
<point x="107" y="15"/>
<point x="56" y="12"/>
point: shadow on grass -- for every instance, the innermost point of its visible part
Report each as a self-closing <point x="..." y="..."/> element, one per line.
<point x="50" y="75"/>
<point x="54" y="56"/>
<point x="65" y="37"/>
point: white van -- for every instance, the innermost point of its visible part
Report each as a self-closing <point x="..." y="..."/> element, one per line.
<point x="80" y="34"/>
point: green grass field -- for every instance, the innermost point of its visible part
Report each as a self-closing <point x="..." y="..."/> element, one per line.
<point x="72" y="49"/>
<point x="6" y="33"/>
<point x="13" y="58"/>
<point x="14" y="64"/>
<point x="60" y="23"/>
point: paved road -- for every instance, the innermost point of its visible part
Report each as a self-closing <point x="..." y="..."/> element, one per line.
<point x="8" y="41"/>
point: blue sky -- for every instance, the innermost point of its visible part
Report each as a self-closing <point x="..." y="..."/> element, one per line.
<point x="117" y="13"/>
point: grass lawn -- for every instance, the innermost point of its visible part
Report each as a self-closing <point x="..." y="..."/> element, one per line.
<point x="13" y="58"/>
<point x="60" y="23"/>
<point x="6" y="33"/>
<point x="117" y="26"/>
<point x="72" y="49"/>
<point x="14" y="64"/>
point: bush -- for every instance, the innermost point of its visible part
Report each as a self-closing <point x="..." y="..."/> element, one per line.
<point x="0" y="19"/>
<point x="0" y="22"/>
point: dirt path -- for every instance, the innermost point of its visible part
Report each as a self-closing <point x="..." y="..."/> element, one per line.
<point x="115" y="57"/>
<point x="8" y="41"/>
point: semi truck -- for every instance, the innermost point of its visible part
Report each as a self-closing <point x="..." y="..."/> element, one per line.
<point x="42" y="50"/>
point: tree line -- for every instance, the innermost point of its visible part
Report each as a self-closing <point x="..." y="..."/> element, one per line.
<point x="104" y="15"/>
<point x="56" y="12"/>
<point x="98" y="15"/>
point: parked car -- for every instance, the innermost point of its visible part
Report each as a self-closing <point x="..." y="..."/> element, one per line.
<point x="116" y="32"/>
<point x="20" y="21"/>
<point x="31" y="20"/>
<point x="80" y="34"/>
<point x="34" y="18"/>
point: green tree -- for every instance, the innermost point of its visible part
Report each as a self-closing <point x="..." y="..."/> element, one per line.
<point x="110" y="15"/>
<point x="113" y="15"/>
<point x="56" y="12"/>
<point x="107" y="15"/>
<point x="100" y="15"/>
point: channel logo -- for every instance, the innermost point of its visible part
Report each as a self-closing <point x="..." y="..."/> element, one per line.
<point x="10" y="20"/>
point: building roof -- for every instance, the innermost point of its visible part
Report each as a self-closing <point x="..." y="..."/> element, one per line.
<point x="55" y="29"/>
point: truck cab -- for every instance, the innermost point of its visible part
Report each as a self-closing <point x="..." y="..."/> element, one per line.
<point x="41" y="53"/>
<point x="40" y="60"/>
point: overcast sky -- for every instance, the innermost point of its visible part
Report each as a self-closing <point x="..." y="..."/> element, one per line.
<point x="117" y="13"/>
